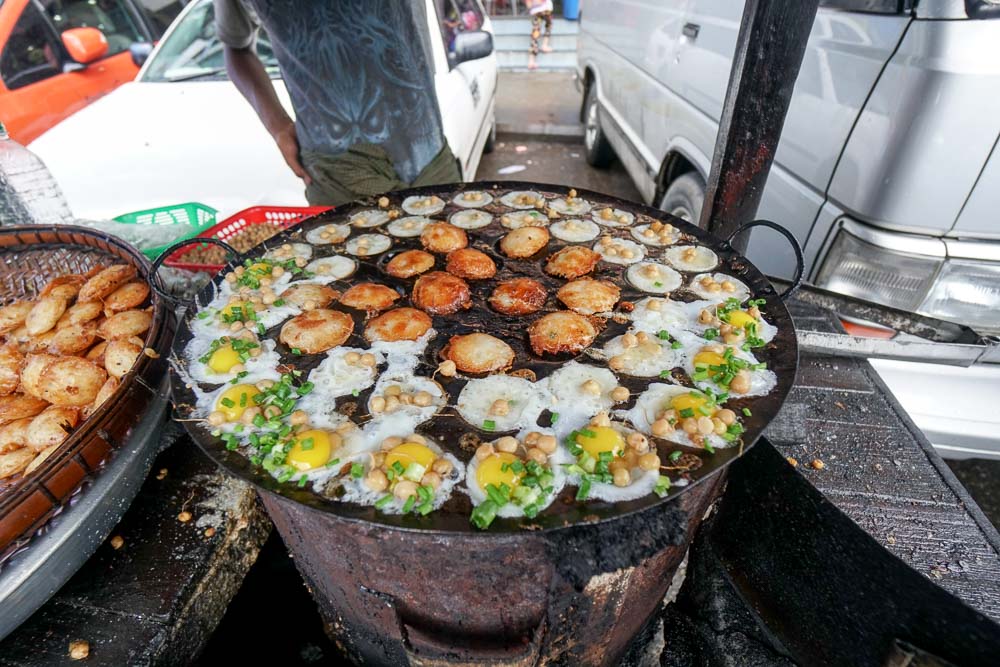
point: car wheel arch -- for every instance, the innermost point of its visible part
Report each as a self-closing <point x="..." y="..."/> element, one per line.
<point x="676" y="163"/>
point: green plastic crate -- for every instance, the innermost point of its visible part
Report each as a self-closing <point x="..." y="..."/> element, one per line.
<point x="198" y="216"/>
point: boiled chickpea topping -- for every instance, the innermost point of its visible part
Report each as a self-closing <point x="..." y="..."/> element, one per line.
<point x="408" y="470"/>
<point x="699" y="415"/>
<point x="393" y="398"/>
<point x="613" y="248"/>
<point x="734" y="325"/>
<point x="512" y="471"/>
<point x="608" y="455"/>
<point x="720" y="364"/>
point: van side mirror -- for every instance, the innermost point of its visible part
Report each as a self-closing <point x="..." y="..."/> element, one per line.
<point x="472" y="45"/>
<point x="140" y="52"/>
<point x="85" y="45"/>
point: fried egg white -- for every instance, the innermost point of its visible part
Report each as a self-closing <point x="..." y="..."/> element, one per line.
<point x="653" y="277"/>
<point x="642" y="484"/>
<point x="212" y="326"/>
<point x="522" y="199"/>
<point x="741" y="291"/>
<point x="369" y="218"/>
<point x="525" y="402"/>
<point x="367" y="245"/>
<point x="574" y="404"/>
<point x="334" y="377"/>
<point x="405" y="416"/>
<point x="647" y="359"/>
<point x="575" y="230"/>
<point x="326" y="234"/>
<point x="471" y="219"/>
<point x="619" y="245"/>
<point x="619" y="218"/>
<point x="666" y="314"/>
<point x="645" y="234"/>
<point x="356" y="491"/>
<point x="575" y="207"/>
<point x="651" y="403"/>
<point x="700" y="259"/>
<point x="411" y="225"/>
<point x="403" y="353"/>
<point x="518" y="219"/>
<point x="472" y="199"/>
<point x="762" y="381"/>
<point x="289" y="250"/>
<point x="207" y="401"/>
<point x="417" y="205"/>
<point x="327" y="269"/>
<point x="260" y="366"/>
<point x="555" y="464"/>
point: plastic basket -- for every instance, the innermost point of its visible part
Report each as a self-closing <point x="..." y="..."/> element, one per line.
<point x="280" y="217"/>
<point x="197" y="216"/>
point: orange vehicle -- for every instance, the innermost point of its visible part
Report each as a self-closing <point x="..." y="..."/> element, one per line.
<point x="57" y="56"/>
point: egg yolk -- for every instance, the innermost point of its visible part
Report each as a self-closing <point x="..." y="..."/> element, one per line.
<point x="244" y="307"/>
<point x="740" y="318"/>
<point x="410" y="452"/>
<point x="260" y="267"/>
<point x="223" y="359"/>
<point x="491" y="471"/>
<point x="598" y="439"/>
<point x="233" y="401"/>
<point x="311" y="449"/>
<point x="688" y="402"/>
<point x="707" y="359"/>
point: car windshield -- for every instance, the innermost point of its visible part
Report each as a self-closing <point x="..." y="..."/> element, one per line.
<point x="192" y="50"/>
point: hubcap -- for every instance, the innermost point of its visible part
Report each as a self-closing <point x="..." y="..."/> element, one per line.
<point x="683" y="213"/>
<point x="590" y="129"/>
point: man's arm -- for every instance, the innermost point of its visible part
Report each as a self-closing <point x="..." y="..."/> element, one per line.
<point x="248" y="73"/>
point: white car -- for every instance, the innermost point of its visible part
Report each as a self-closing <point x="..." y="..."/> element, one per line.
<point x="181" y="131"/>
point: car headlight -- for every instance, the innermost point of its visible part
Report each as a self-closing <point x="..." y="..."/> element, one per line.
<point x="913" y="273"/>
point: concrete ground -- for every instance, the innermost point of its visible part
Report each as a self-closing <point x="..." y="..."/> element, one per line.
<point x="539" y="103"/>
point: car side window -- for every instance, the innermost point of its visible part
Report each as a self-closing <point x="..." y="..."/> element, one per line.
<point x="458" y="16"/>
<point x="112" y="17"/>
<point x="32" y="53"/>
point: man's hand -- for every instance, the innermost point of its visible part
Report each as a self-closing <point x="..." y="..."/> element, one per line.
<point x="288" y="144"/>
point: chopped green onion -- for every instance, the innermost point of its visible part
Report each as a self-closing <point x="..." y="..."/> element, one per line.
<point x="662" y="486"/>
<point x="296" y="351"/>
<point x="357" y="470"/>
<point x="489" y="425"/>
<point x="584" y="490"/>
<point x="663" y="334"/>
<point x="687" y="412"/>
<point x="484" y="514"/>
<point x="675" y="455"/>
<point x="747" y="413"/>
<point x="408" y="505"/>
<point x="555" y="418"/>
<point x="676" y="345"/>
<point x="664" y="374"/>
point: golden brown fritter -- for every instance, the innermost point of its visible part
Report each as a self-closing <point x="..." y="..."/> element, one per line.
<point x="470" y="264"/>
<point x="369" y="296"/>
<point x="561" y="331"/>
<point x="410" y="263"/>
<point x="478" y="353"/>
<point x="588" y="296"/>
<point x="572" y="262"/>
<point x="398" y="324"/>
<point x="441" y="293"/>
<point x="317" y="330"/>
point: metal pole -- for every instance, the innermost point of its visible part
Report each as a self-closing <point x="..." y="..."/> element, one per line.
<point x="769" y="51"/>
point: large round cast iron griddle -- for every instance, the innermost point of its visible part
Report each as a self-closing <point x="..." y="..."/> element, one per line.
<point x="781" y="356"/>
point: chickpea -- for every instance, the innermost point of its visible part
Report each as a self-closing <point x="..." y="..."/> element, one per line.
<point x="239" y="271"/>
<point x="706" y="316"/>
<point x="310" y="305"/>
<point x="393" y="390"/>
<point x="740" y="384"/>
<point x="442" y="467"/>
<point x="264" y="385"/>
<point x="368" y="360"/>
<point x="690" y="425"/>
<point x="377" y="405"/>
<point x="272" y="411"/>
<point x="431" y="479"/>
<point x="622" y="477"/>
<point x="500" y="407"/>
<point x="649" y="233"/>
<point x="248" y="415"/>
<point x="406" y="399"/>
<point x="754" y="312"/>
<point x="623" y="219"/>
<point x="235" y="326"/>
<point x="607" y="214"/>
<point x="377" y="459"/>
<point x="300" y="262"/>
<point x="726" y="416"/>
<point x="697" y="439"/>
<point x="547" y="443"/>
<point x="537" y="455"/>
<point x="405" y="489"/>
<point x="619" y="394"/>
<point x="422" y="399"/>
<point x="591" y="387"/>
<point x="346" y="427"/>
<point x="376" y="480"/>
<point x="383" y="202"/>
<point x="506" y="444"/>
<point x="612" y="251"/>
<point x="714" y="288"/>
<point x="638" y="442"/>
<point x="719" y="428"/>
<point x="654" y="304"/>
<point x="616" y="363"/>
<point x="447" y="368"/>
<point x="661" y="427"/>
<point x="642" y="337"/>
<point x="278" y="271"/>
<point x="484" y="451"/>
<point x="237" y="368"/>
<point x="216" y="418"/>
<point x="630" y="340"/>
<point x="732" y="338"/>
<point x="601" y="419"/>
<point x="531" y="439"/>
<point x="649" y="461"/>
<point x="392" y="404"/>
<point x="352" y="358"/>
<point x="617" y="464"/>
<point x="391" y="441"/>
<point x="728" y="286"/>
<point x="628" y="254"/>
<point x="230" y="277"/>
<point x="417" y="438"/>
<point x="705" y="426"/>
<point x="268" y="299"/>
<point x="689" y="255"/>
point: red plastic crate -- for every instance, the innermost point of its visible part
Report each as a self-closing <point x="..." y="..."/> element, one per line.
<point x="281" y="217"/>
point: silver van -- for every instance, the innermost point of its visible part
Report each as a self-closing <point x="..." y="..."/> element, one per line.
<point x="888" y="170"/>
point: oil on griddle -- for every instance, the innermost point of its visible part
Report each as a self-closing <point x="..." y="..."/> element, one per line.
<point x="447" y="428"/>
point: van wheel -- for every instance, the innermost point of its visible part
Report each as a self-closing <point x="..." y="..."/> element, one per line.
<point x="491" y="139"/>
<point x="598" y="150"/>
<point x="685" y="197"/>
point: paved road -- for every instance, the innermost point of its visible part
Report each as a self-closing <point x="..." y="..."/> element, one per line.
<point x="559" y="162"/>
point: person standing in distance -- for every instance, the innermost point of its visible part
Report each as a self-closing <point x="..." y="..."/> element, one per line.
<point x="360" y="77"/>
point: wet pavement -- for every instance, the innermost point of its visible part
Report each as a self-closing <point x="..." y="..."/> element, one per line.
<point x="550" y="160"/>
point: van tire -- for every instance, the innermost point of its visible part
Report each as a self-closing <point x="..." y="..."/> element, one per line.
<point x="596" y="147"/>
<point x="685" y="197"/>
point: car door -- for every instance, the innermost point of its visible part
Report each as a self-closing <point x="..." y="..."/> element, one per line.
<point x="39" y="83"/>
<point x="465" y="91"/>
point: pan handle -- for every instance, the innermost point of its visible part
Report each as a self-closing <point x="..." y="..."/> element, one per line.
<point x="157" y="283"/>
<point x="800" y="263"/>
